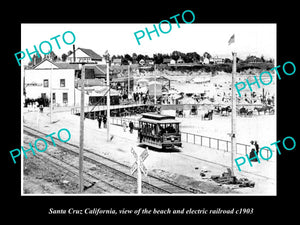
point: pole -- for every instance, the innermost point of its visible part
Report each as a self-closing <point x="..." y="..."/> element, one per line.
<point x="233" y="113"/>
<point x="81" y="130"/>
<point x="108" y="98"/>
<point x="155" y="85"/>
<point x="128" y="80"/>
<point x="139" y="176"/>
<point x="51" y="93"/>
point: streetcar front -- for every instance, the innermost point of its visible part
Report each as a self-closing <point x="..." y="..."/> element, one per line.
<point x="171" y="135"/>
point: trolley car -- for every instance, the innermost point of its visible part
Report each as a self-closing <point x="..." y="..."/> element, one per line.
<point x="159" y="131"/>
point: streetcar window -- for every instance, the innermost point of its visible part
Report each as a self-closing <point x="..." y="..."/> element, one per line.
<point x="171" y="128"/>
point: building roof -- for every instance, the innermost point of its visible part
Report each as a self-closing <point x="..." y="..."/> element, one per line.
<point x="91" y="53"/>
<point x="57" y="65"/>
<point x="63" y="65"/>
<point x="98" y="69"/>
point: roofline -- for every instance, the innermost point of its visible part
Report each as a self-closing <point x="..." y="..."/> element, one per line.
<point x="44" y="61"/>
<point x="157" y="116"/>
<point x="165" y="121"/>
<point x="83" y="49"/>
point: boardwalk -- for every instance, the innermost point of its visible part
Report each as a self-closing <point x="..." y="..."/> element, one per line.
<point x="75" y="110"/>
<point x="92" y="108"/>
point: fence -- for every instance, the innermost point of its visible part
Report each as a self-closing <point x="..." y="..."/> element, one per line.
<point x="197" y="139"/>
<point x="92" y="108"/>
<point x="119" y="121"/>
<point x="219" y="144"/>
<point x="214" y="143"/>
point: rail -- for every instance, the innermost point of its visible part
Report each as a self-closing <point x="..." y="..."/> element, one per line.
<point x="197" y="139"/>
<point x="92" y="108"/>
<point x="219" y="144"/>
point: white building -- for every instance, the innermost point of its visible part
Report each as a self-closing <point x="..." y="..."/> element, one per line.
<point x="218" y="60"/>
<point x="205" y="61"/>
<point x="59" y="76"/>
<point x="86" y="55"/>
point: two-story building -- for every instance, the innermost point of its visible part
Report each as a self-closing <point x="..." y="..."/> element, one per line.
<point x="54" y="77"/>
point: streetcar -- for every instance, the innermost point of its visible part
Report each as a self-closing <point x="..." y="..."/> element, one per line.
<point x="159" y="131"/>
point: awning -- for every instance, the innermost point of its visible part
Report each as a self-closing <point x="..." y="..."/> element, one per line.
<point x="102" y="91"/>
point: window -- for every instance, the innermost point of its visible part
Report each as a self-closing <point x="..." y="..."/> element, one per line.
<point x="65" y="97"/>
<point x="53" y="98"/>
<point x="62" y="82"/>
<point x="46" y="83"/>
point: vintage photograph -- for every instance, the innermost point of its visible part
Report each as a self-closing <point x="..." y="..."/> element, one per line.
<point x="191" y="111"/>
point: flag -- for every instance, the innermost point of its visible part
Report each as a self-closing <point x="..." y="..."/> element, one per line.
<point x="231" y="40"/>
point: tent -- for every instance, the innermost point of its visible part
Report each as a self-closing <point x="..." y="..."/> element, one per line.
<point x="142" y="82"/>
<point x="206" y="101"/>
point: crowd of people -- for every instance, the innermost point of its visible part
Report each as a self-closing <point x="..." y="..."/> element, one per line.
<point x="134" y="97"/>
<point x="140" y="97"/>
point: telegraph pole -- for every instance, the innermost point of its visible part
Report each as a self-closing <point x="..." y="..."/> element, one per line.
<point x="81" y="139"/>
<point x="233" y="113"/>
<point x="108" y="95"/>
<point x="155" y="85"/>
<point x="51" y="97"/>
<point x="128" y="79"/>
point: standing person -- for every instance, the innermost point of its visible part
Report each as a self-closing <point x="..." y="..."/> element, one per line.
<point x="99" y="121"/>
<point x="256" y="147"/>
<point x="41" y="108"/>
<point x="131" y="126"/>
<point x="140" y="134"/>
<point x="252" y="145"/>
<point x="252" y="152"/>
<point x="124" y="126"/>
<point x="104" y="121"/>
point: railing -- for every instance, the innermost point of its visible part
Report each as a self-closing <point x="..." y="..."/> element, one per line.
<point x="219" y="144"/>
<point x="89" y="108"/>
<point x="119" y="121"/>
<point x="197" y="139"/>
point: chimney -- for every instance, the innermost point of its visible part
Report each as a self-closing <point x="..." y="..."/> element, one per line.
<point x="74" y="53"/>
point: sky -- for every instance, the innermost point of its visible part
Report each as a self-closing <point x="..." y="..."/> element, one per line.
<point x="250" y="39"/>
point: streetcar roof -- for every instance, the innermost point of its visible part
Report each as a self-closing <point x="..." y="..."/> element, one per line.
<point x="158" y="121"/>
<point x="155" y="116"/>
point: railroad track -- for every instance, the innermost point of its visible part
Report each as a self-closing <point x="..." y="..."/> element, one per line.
<point x="108" y="175"/>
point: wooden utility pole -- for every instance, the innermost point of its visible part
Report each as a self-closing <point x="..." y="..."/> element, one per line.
<point x="233" y="113"/>
<point x="128" y="80"/>
<point x="108" y="97"/>
<point x="51" y="95"/>
<point x="155" y="84"/>
<point x="81" y="139"/>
